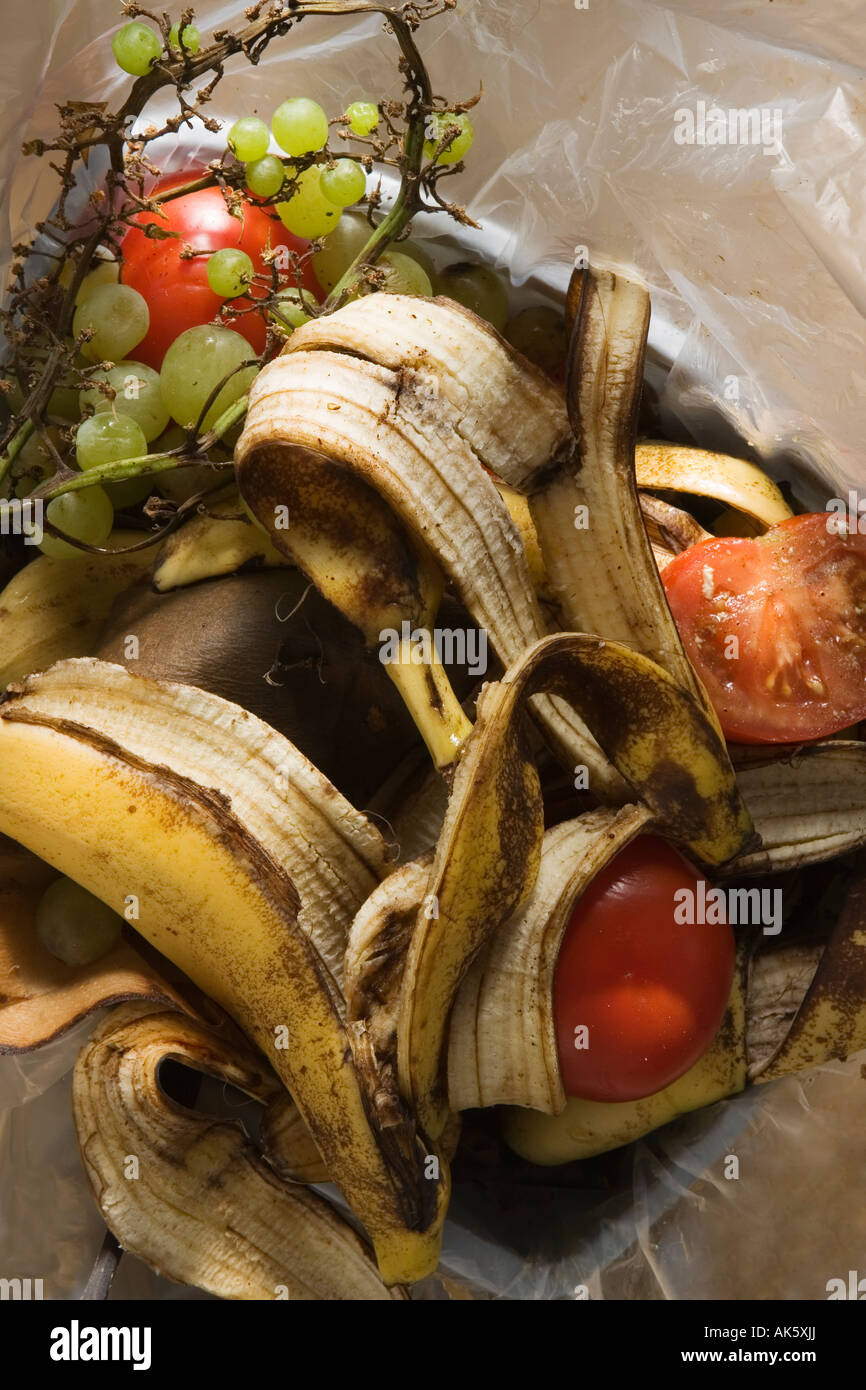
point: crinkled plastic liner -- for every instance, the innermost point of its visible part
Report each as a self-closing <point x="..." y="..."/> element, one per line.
<point x="757" y="264"/>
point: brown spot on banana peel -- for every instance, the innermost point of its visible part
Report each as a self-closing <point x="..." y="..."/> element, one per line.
<point x="655" y="733"/>
<point x="270" y="975"/>
<point x="489" y="849"/>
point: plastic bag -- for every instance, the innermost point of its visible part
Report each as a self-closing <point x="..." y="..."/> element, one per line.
<point x="756" y="257"/>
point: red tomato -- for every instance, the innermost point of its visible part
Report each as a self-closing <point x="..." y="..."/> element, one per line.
<point x="177" y="292"/>
<point x="795" y="601"/>
<point x="651" y="991"/>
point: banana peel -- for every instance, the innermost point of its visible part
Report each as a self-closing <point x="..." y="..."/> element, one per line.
<point x="350" y="545"/>
<point x="488" y="855"/>
<point x="808" y="805"/>
<point x="511" y="414"/>
<point x="831" y="1021"/>
<point x="53" y="609"/>
<point x="738" y="484"/>
<point x="373" y="439"/>
<point x="226" y="911"/>
<point x="216" y="542"/>
<point x="586" y="511"/>
<point x="202" y="1207"/>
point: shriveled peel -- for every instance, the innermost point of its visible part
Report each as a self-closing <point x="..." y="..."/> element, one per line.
<point x="323" y="414"/>
<point x="40" y="996"/>
<point x="489" y="850"/>
<point x="586" y="512"/>
<point x="831" y="1021"/>
<point x="225" y="911"/>
<point x="733" y="481"/>
<point x="808" y="805"/>
<point x="200" y="1205"/>
<point x="510" y="414"/>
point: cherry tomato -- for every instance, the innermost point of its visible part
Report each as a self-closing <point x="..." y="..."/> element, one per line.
<point x="177" y="292"/>
<point x="650" y="991"/>
<point x="776" y="628"/>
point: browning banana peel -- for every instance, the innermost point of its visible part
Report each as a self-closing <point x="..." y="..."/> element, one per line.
<point x="226" y="913"/>
<point x="488" y="854"/>
<point x="204" y="1208"/>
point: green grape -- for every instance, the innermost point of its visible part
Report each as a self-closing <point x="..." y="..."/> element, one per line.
<point x="363" y="117"/>
<point x="107" y="438"/>
<point x="266" y="176"/>
<point x="135" y="48"/>
<point x="436" y="126"/>
<point x="539" y="333"/>
<point x="191" y="37"/>
<point x="403" y="274"/>
<point x="75" y="926"/>
<point x="308" y="213"/>
<point x="137" y="395"/>
<point x="345" y="184"/>
<point x="478" y="288"/>
<point x="128" y="492"/>
<point x="300" y="126"/>
<point x="33" y="463"/>
<point x="340" y="248"/>
<point x="87" y="515"/>
<point x="119" y="318"/>
<point x="229" y="272"/>
<point x="106" y="271"/>
<point x="417" y="253"/>
<point x="195" y="364"/>
<point x="249" y="138"/>
<point x="289" y="313"/>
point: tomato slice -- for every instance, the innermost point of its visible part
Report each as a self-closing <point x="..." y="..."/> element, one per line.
<point x="776" y="628"/>
<point x="649" y="991"/>
<point x="177" y="292"/>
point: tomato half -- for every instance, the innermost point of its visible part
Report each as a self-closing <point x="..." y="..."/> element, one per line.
<point x="651" y="992"/>
<point x="776" y="628"/>
<point x="177" y="292"/>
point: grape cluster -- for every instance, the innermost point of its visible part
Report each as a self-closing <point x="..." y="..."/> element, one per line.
<point x="317" y="194"/>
